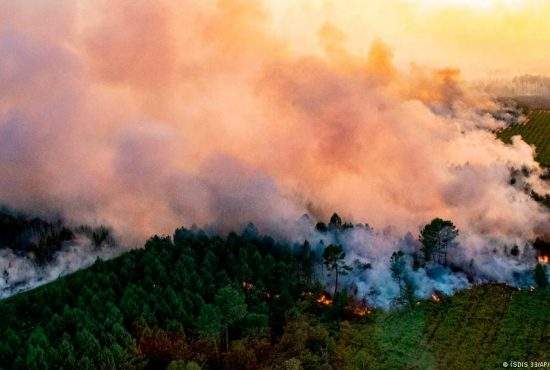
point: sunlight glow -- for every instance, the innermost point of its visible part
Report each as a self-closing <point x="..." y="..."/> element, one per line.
<point x="475" y="4"/>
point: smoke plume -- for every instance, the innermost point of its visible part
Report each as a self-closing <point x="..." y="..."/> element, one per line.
<point x="148" y="115"/>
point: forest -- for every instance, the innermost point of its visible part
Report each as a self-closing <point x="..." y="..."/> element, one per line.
<point x="425" y="124"/>
<point x="245" y="301"/>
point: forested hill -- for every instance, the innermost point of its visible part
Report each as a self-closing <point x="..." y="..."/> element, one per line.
<point x="246" y="302"/>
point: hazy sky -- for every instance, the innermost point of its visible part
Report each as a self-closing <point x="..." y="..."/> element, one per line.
<point x="481" y="37"/>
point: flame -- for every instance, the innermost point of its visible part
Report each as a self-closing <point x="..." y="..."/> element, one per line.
<point x="247" y="285"/>
<point x="544" y="259"/>
<point x="355" y="308"/>
<point x="361" y="311"/>
<point x="324" y="300"/>
<point x="435" y="298"/>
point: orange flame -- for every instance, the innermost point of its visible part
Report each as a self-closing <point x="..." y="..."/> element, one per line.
<point x="544" y="259"/>
<point x="324" y="300"/>
<point x="361" y="311"/>
<point x="435" y="298"/>
<point x="247" y="285"/>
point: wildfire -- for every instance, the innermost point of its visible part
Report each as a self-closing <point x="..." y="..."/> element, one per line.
<point x="247" y="285"/>
<point x="354" y="308"/>
<point x="324" y="300"/>
<point x="544" y="259"/>
<point x="361" y="311"/>
<point x="435" y="298"/>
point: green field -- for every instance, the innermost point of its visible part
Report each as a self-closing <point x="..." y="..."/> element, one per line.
<point x="478" y="328"/>
<point x="535" y="131"/>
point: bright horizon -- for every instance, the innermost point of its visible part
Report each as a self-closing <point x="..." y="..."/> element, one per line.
<point x="483" y="38"/>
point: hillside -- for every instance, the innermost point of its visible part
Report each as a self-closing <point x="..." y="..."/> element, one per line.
<point x="247" y="302"/>
<point x="535" y="131"/>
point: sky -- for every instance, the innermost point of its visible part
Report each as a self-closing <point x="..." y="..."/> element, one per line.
<point x="483" y="38"/>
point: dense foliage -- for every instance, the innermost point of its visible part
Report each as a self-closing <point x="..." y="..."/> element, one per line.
<point x="247" y="302"/>
<point x="436" y="238"/>
<point x="156" y="304"/>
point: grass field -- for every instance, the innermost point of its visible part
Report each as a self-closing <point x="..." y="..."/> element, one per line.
<point x="479" y="328"/>
<point x="535" y="131"/>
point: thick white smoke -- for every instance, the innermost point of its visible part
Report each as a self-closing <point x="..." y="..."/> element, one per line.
<point x="149" y="115"/>
<point x="20" y="272"/>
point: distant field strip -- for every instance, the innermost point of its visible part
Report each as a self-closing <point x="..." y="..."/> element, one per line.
<point x="535" y="131"/>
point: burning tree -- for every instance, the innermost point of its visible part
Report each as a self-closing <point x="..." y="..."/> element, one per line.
<point x="333" y="257"/>
<point x="543" y="251"/>
<point x="436" y="237"/>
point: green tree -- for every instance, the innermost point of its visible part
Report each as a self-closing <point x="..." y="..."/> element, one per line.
<point x="8" y="346"/>
<point x="333" y="257"/>
<point x="540" y="276"/>
<point x="65" y="353"/>
<point x="307" y="262"/>
<point x="232" y="306"/>
<point x="37" y="346"/>
<point x="36" y="358"/>
<point x="397" y="266"/>
<point x="407" y="294"/>
<point x="87" y="344"/>
<point x="256" y="324"/>
<point x="209" y="322"/>
<point x="406" y="285"/>
<point x="436" y="237"/>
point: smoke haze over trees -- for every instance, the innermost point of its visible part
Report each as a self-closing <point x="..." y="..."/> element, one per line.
<point x="145" y="116"/>
<point x="245" y="302"/>
<point x="123" y="119"/>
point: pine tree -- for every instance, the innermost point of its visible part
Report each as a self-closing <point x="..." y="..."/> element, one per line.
<point x="333" y="257"/>
<point x="436" y="237"/>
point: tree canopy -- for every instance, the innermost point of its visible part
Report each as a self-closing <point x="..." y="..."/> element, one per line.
<point x="436" y="238"/>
